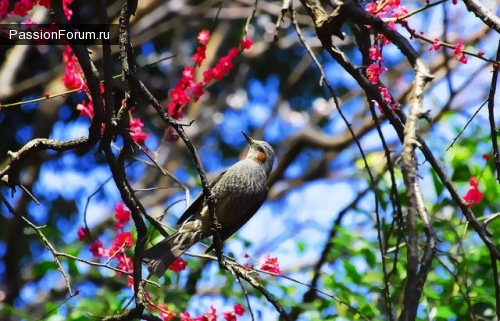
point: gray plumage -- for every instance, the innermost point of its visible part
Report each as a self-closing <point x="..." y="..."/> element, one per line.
<point x="239" y="192"/>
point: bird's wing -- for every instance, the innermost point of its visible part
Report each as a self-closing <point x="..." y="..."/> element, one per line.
<point x="198" y="202"/>
<point x="230" y="226"/>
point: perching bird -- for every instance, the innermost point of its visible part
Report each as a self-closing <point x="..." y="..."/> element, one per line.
<point x="239" y="192"/>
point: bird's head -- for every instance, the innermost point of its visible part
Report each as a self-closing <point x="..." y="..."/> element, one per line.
<point x="260" y="152"/>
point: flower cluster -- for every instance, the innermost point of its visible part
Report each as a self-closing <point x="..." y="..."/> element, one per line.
<point x="22" y="7"/>
<point x="383" y="9"/>
<point x="73" y="73"/>
<point x="188" y="88"/>
<point x="211" y="315"/>
<point x="122" y="241"/>
<point x="136" y="132"/>
<point x="387" y="9"/>
<point x="458" y="51"/>
<point x="393" y="12"/>
<point x="74" y="79"/>
<point x="271" y="264"/>
<point x="373" y="72"/>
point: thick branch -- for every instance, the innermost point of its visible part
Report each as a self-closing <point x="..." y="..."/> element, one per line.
<point x="483" y="13"/>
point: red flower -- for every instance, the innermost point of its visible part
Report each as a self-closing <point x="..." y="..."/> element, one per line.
<point x="373" y="72"/>
<point x="118" y="226"/>
<point x="436" y="45"/>
<point x="123" y="238"/>
<point x="86" y="108"/>
<point x="4" y="8"/>
<point x="239" y="309"/>
<point x="462" y="59"/>
<point x="198" y="90"/>
<point x="204" y="36"/>
<point x="207" y="75"/>
<point x="137" y="134"/>
<point x="73" y="74"/>
<point x="188" y="73"/>
<point x="386" y="94"/>
<point x="200" y="55"/>
<point x="179" y="96"/>
<point x="22" y="7"/>
<point x="96" y="248"/>
<point x="122" y="214"/>
<point x="374" y="54"/>
<point x="486" y="157"/>
<point x="229" y="316"/>
<point x="45" y="3"/>
<point x="233" y="52"/>
<point x="371" y="7"/>
<point x="474" y="195"/>
<point x="246" y="43"/>
<point x="178" y="265"/>
<point x="271" y="264"/>
<point x="473" y="181"/>
<point x="82" y="233"/>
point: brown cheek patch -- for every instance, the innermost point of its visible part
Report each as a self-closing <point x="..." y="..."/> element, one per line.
<point x="261" y="158"/>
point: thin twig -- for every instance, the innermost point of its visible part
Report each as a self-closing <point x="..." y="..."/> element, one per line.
<point x="49" y="246"/>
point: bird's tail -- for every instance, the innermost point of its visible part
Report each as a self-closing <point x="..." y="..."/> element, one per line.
<point x="160" y="256"/>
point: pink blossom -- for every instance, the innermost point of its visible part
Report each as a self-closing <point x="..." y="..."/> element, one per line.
<point x="399" y="11"/>
<point x="121" y="213"/>
<point x="204" y="36"/>
<point x="137" y="134"/>
<point x="271" y="264"/>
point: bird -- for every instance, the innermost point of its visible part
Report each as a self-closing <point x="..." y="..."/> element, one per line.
<point x="239" y="192"/>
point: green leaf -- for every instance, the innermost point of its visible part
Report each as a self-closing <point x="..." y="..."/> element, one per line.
<point x="301" y="246"/>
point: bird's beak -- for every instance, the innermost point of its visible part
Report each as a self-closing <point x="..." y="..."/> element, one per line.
<point x="248" y="138"/>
